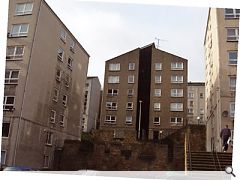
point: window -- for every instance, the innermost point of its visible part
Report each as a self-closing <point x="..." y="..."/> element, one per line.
<point x="24" y="8"/>
<point x="232" y="80"/>
<point x="64" y="100"/>
<point x="201" y="111"/>
<point x="156" y="121"/>
<point x="176" y="106"/>
<point x="70" y="63"/>
<point x="201" y="95"/>
<point x="177" y="66"/>
<point x="176" y="92"/>
<point x="110" y="119"/>
<point x="157" y="92"/>
<point x="8" y="102"/>
<point x="113" y="79"/>
<point x="158" y="66"/>
<point x="191" y="103"/>
<point x="111" y="105"/>
<point x="3" y="157"/>
<point x="58" y="75"/>
<point x="128" y="120"/>
<point x="176" y="79"/>
<point x="232" y="57"/>
<point x="63" y="35"/>
<point x="49" y="138"/>
<point x="112" y="92"/>
<point x="232" y="109"/>
<point x="19" y="30"/>
<point x="232" y="34"/>
<point x="72" y="46"/>
<point x="176" y="120"/>
<point x="130" y="92"/>
<point x="157" y="106"/>
<point x="190" y="95"/>
<point x="11" y="76"/>
<point x="131" y="79"/>
<point x="60" y="55"/>
<point x="46" y="161"/>
<point x="158" y="79"/>
<point x="190" y="111"/>
<point x="52" y="116"/>
<point x="55" y="95"/>
<point x="5" y="129"/>
<point x="114" y="67"/>
<point x="15" y="53"/>
<point x="61" y="121"/>
<point x="129" y="106"/>
<point x="131" y="66"/>
<point x="67" y="80"/>
<point x="232" y="13"/>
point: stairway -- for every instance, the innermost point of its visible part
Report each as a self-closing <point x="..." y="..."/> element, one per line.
<point x="208" y="161"/>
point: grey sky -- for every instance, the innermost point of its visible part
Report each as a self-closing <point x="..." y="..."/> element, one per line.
<point x="107" y="30"/>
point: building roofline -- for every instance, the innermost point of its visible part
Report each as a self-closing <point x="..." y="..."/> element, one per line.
<point x="65" y="27"/>
<point x="92" y="77"/>
<point x="122" y="54"/>
<point x="206" y="26"/>
<point x="196" y="83"/>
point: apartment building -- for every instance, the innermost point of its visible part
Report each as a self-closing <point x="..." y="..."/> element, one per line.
<point x="46" y="70"/>
<point x="91" y="104"/>
<point x="145" y="93"/>
<point x="196" y="102"/>
<point x="221" y="46"/>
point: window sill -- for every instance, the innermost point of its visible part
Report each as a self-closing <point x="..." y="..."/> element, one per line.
<point x="24" y="14"/>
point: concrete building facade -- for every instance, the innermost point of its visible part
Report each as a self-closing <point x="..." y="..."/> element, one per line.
<point x="46" y="70"/>
<point x="91" y="104"/>
<point x="196" y="102"/>
<point x="221" y="46"/>
<point x="145" y="93"/>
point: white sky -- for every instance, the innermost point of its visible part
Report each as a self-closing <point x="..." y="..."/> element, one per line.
<point x="107" y="30"/>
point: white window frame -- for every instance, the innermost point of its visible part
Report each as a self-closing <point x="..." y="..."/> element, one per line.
<point x="14" y="56"/>
<point x="10" y="79"/>
<point x="19" y="33"/>
<point x="158" y="79"/>
<point x="190" y="95"/>
<point x="232" y="61"/>
<point x="67" y="80"/>
<point x="55" y="94"/>
<point x="130" y="79"/>
<point x="157" y="122"/>
<point x="58" y="77"/>
<point x="232" y="86"/>
<point x="110" y="119"/>
<point x="177" y="79"/>
<point x="24" y="11"/>
<point x="113" y="79"/>
<point x="46" y="161"/>
<point x="53" y="118"/>
<point x="157" y="106"/>
<point x="158" y="66"/>
<point x="176" y="92"/>
<point x="72" y="46"/>
<point x="157" y="92"/>
<point x="176" y="107"/>
<point x="8" y="129"/>
<point x="5" y="105"/>
<point x="176" y="120"/>
<point x="128" y="120"/>
<point x="61" y="120"/>
<point x="129" y="107"/>
<point x="190" y="111"/>
<point x="234" y="37"/>
<point x="3" y="157"/>
<point x="49" y="138"/>
<point x="177" y="66"/>
<point x="64" y="101"/>
<point x="70" y="63"/>
<point x="131" y="66"/>
<point x="60" y="54"/>
<point x="130" y="92"/>
<point x="232" y="109"/>
<point x="232" y="15"/>
<point x="114" y="67"/>
<point x="111" y="105"/>
<point x="112" y="92"/>
<point x="63" y="35"/>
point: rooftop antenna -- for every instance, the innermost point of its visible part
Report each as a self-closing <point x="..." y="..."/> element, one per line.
<point x="158" y="42"/>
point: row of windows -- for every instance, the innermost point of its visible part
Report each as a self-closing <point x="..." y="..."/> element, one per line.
<point x="111" y="119"/>
<point x="53" y="116"/>
<point x="232" y="13"/>
<point x="157" y="92"/>
<point x="158" y="79"/>
<point x="191" y="111"/>
<point x="191" y="95"/>
<point x="66" y="78"/>
<point x="156" y="106"/>
<point x="61" y="55"/>
<point x="158" y="66"/>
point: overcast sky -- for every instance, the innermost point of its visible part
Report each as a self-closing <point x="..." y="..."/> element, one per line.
<point x="107" y="30"/>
